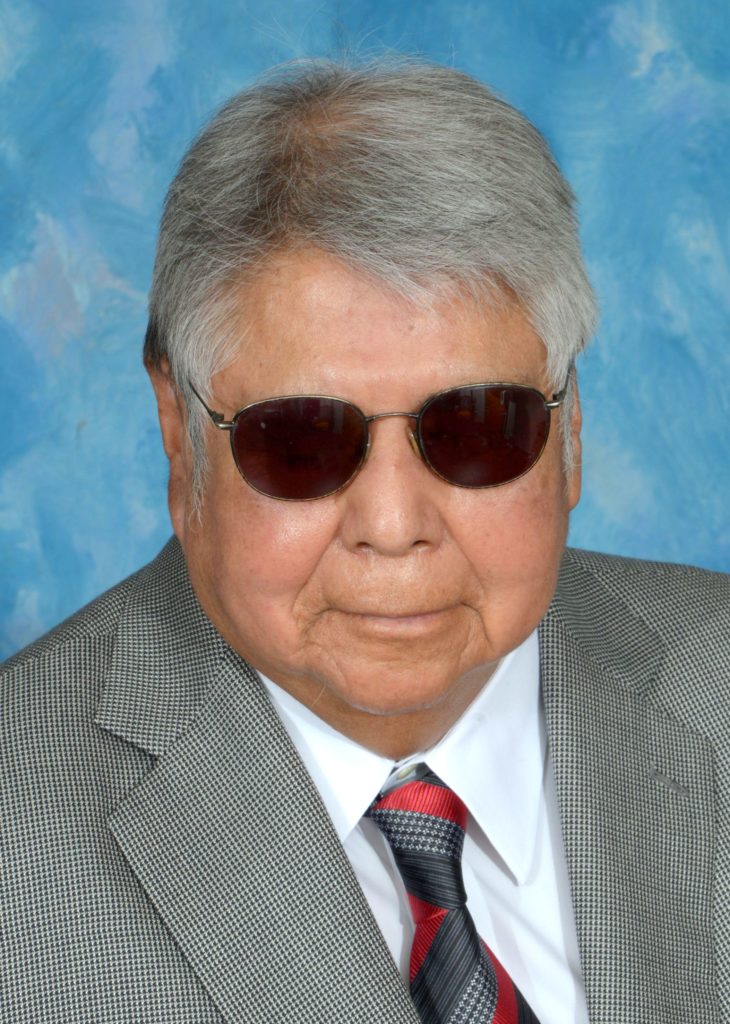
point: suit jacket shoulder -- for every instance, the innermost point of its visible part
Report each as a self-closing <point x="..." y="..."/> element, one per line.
<point x="93" y="625"/>
<point x="686" y="610"/>
<point x="78" y="933"/>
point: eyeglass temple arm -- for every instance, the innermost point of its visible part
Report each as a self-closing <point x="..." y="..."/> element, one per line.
<point x="558" y="397"/>
<point x="218" y="418"/>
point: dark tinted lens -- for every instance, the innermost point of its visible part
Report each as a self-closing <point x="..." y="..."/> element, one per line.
<point x="481" y="436"/>
<point x="299" y="448"/>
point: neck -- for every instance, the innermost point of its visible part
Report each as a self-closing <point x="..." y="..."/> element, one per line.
<point x="395" y="735"/>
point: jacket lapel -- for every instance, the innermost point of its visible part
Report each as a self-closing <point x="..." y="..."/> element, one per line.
<point x="635" y="789"/>
<point x="227" y="833"/>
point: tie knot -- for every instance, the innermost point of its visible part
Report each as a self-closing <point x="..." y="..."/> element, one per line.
<point x="424" y="823"/>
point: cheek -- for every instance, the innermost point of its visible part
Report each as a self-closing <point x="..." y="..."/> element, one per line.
<point x="278" y="549"/>
<point x="513" y="538"/>
<point x="253" y="555"/>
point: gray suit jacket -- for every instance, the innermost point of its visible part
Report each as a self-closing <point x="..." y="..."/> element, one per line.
<point x="167" y="859"/>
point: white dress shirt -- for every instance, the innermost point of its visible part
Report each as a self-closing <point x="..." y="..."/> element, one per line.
<point x="495" y="759"/>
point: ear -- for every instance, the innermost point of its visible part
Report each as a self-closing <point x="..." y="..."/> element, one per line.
<point x="574" y="475"/>
<point x="173" y="425"/>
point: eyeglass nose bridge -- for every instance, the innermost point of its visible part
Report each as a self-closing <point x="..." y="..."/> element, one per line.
<point x="387" y="415"/>
<point x="411" y="434"/>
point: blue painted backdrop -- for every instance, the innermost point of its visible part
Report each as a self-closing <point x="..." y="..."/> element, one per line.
<point x="98" y="103"/>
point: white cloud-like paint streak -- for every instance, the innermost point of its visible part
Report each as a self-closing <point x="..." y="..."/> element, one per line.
<point x="17" y="25"/>
<point x="116" y="144"/>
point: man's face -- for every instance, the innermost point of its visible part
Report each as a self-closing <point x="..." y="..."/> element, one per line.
<point x="386" y="606"/>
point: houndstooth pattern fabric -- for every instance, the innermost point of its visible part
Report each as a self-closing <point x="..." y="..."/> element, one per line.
<point x="421" y="833"/>
<point x="166" y="858"/>
<point x="454" y="976"/>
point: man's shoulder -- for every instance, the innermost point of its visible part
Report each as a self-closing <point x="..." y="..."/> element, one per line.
<point x="666" y="626"/>
<point x="657" y="591"/>
<point x="85" y="636"/>
<point x="602" y="563"/>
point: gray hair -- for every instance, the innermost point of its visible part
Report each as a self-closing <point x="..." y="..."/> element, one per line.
<point x="415" y="174"/>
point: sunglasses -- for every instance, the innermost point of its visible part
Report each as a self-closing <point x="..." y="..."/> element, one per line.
<point x="301" y="447"/>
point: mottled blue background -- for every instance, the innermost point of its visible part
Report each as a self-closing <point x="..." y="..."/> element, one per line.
<point x="98" y="103"/>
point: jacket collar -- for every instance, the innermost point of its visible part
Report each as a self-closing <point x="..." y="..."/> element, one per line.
<point x="166" y="656"/>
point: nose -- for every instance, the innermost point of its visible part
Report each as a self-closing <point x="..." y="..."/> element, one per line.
<point x="394" y="504"/>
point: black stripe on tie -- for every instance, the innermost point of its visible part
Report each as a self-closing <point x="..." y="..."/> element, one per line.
<point x="434" y="879"/>
<point x="432" y="779"/>
<point x="451" y="961"/>
<point x="524" y="1013"/>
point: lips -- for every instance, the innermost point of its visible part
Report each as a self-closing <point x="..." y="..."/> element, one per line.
<point x="396" y="615"/>
<point x="401" y="625"/>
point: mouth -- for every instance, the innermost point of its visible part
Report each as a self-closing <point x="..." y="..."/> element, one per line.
<point x="401" y="623"/>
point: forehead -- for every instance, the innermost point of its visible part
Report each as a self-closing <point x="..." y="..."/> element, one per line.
<point x="307" y="322"/>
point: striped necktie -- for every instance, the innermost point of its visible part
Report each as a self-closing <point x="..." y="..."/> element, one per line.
<point x="454" y="976"/>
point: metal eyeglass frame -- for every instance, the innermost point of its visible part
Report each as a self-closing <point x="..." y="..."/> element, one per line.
<point x="218" y="419"/>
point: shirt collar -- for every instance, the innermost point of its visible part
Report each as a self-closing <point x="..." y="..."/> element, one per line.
<point x="493" y="758"/>
<point x="347" y="775"/>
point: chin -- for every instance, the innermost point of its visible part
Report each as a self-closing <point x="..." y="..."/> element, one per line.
<point x="388" y="698"/>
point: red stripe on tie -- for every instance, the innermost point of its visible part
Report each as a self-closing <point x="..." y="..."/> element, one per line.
<point x="425" y="934"/>
<point x="425" y="798"/>
<point x="421" y="911"/>
<point x="505" y="1011"/>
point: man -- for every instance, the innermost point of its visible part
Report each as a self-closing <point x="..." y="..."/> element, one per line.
<point x="240" y="783"/>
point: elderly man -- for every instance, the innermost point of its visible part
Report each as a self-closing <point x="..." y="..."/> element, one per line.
<point x="364" y="743"/>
